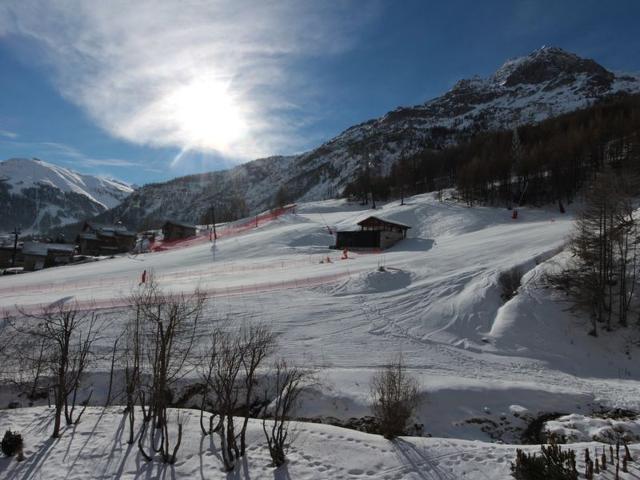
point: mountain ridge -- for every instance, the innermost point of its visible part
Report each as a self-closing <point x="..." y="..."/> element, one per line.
<point x="546" y="83"/>
<point x="36" y="195"/>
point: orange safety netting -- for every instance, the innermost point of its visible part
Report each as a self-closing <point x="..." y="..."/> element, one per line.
<point x="226" y="230"/>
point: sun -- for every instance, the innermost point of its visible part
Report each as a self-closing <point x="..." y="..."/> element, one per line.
<point x="206" y="114"/>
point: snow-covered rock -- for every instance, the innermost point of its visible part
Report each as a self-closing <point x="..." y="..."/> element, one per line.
<point x="581" y="428"/>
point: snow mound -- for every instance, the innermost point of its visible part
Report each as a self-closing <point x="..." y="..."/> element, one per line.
<point x="378" y="281"/>
<point x="579" y="428"/>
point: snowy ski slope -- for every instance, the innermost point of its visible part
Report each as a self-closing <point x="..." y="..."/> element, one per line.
<point x="437" y="301"/>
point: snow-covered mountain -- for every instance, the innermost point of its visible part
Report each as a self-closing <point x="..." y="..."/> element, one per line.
<point x="546" y="83"/>
<point x="36" y="196"/>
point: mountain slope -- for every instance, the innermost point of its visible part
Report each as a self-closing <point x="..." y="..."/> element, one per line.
<point x="36" y="195"/>
<point x="544" y="84"/>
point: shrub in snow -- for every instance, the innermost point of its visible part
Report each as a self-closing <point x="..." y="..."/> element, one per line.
<point x="12" y="443"/>
<point x="394" y="398"/>
<point x="552" y="464"/>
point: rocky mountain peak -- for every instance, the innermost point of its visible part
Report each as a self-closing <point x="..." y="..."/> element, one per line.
<point x="550" y="64"/>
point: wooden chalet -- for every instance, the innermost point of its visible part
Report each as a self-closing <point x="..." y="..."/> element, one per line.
<point x="375" y="232"/>
<point x="38" y="255"/>
<point x="99" y="239"/>
<point x="177" y="230"/>
<point x="7" y="253"/>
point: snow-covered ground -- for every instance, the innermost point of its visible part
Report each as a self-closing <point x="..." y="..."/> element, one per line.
<point x="97" y="448"/>
<point x="486" y="367"/>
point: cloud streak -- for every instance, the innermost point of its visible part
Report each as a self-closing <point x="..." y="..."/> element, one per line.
<point x="207" y="76"/>
<point x="8" y="134"/>
<point x="67" y="154"/>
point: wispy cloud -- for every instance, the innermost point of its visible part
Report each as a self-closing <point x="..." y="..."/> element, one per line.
<point x="208" y="76"/>
<point x="67" y="154"/>
<point x="8" y="134"/>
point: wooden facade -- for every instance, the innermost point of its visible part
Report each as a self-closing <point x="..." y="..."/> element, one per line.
<point x="375" y="232"/>
<point x="177" y="231"/>
<point x="98" y="239"/>
<point x="39" y="255"/>
<point x="6" y="255"/>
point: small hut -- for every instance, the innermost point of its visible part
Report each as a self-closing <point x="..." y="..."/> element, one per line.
<point x="7" y="255"/>
<point x="39" y="255"/>
<point x="375" y="232"/>
<point x="177" y="230"/>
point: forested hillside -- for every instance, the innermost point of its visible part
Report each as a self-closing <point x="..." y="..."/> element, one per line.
<point x="532" y="164"/>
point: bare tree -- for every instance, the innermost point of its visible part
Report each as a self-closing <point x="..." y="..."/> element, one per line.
<point x="229" y="374"/>
<point x="207" y="375"/>
<point x="59" y="343"/>
<point x="289" y="382"/>
<point x="131" y="358"/>
<point x="394" y="395"/>
<point x="601" y="275"/>
<point x="168" y="326"/>
<point x="222" y="379"/>
<point x="258" y="342"/>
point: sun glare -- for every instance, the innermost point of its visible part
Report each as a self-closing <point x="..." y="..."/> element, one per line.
<point x="207" y="114"/>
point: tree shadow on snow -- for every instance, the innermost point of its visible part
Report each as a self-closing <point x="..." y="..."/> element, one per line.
<point x="281" y="473"/>
<point x="212" y="448"/>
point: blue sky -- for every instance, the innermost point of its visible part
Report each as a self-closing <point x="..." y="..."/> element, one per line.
<point x="146" y="91"/>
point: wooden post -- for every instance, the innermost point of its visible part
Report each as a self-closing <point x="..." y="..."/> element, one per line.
<point x="213" y="215"/>
<point x="15" y="233"/>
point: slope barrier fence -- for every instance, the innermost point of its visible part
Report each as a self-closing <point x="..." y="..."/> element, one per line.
<point x="213" y="292"/>
<point x="226" y="230"/>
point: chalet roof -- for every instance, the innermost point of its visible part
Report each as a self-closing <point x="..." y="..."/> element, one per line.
<point x="40" y="249"/>
<point x="88" y="236"/>
<point x="109" y="230"/>
<point x="179" y="224"/>
<point x="383" y="220"/>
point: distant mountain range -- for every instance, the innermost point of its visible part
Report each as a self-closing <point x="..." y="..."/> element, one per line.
<point x="37" y="196"/>
<point x="546" y="83"/>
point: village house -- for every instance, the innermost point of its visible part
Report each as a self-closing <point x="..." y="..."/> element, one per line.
<point x="177" y="230"/>
<point x="98" y="239"/>
<point x="7" y="253"/>
<point x="374" y="232"/>
<point x="39" y="255"/>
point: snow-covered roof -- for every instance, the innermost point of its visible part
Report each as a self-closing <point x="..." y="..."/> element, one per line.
<point x="88" y="236"/>
<point x="180" y="224"/>
<point x="109" y="230"/>
<point x="385" y="220"/>
<point x="356" y="224"/>
<point x="42" y="249"/>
